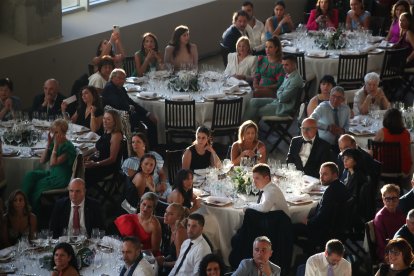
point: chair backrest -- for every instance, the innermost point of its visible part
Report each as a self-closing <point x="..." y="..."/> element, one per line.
<point x="393" y="64"/>
<point x="129" y="65"/>
<point x="78" y="167"/>
<point x="371" y="240"/>
<point x="388" y="153"/>
<point x="180" y="115"/>
<point x="173" y="163"/>
<point x="125" y="126"/>
<point x="352" y="70"/>
<point x="227" y="113"/>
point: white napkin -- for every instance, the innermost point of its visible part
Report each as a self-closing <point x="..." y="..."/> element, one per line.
<point x="368" y="48"/>
<point x="215" y="96"/>
<point x="137" y="80"/>
<point x="360" y="130"/>
<point x="6" y="251"/>
<point x="90" y="136"/>
<point x="285" y="42"/>
<point x="218" y="199"/>
<point x="79" y="128"/>
<point x="161" y="73"/>
<point x="212" y="75"/>
<point x="317" y="53"/>
<point x="301" y="197"/>
<point x="234" y="81"/>
<point x="181" y="97"/>
<point x="130" y="87"/>
<point x="234" y="88"/>
<point x="41" y="123"/>
<point x="350" y="52"/>
<point x="148" y="94"/>
<point x="310" y="182"/>
<point x="290" y="49"/>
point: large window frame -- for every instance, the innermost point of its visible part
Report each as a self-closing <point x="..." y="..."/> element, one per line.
<point x="85" y="5"/>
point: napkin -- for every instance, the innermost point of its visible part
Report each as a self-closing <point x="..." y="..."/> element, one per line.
<point x="38" y="152"/>
<point x="41" y="123"/>
<point x="290" y="49"/>
<point x="360" y="130"/>
<point x="148" y="94"/>
<point x="215" y="96"/>
<point x="234" y="81"/>
<point x="161" y="73"/>
<point x="301" y="197"/>
<point x="219" y="200"/>
<point x="132" y="87"/>
<point x="137" y="80"/>
<point x="317" y="53"/>
<point x="350" y="52"/>
<point x="212" y="75"/>
<point x="6" y="251"/>
<point x="309" y="183"/>
<point x="181" y="97"/>
<point x="90" y="136"/>
<point x="368" y="48"/>
<point x="79" y="128"/>
<point x="232" y="89"/>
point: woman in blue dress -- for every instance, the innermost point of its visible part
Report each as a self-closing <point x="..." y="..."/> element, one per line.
<point x="279" y="23"/>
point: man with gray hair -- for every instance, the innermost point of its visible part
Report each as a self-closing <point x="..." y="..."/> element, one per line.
<point x="407" y="230"/>
<point x="332" y="117"/>
<point x="50" y="100"/>
<point x="370" y="96"/>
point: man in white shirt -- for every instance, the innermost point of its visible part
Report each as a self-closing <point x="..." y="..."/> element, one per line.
<point x="135" y="264"/>
<point x="193" y="249"/>
<point x="254" y="29"/>
<point x="330" y="262"/>
<point x="271" y="197"/>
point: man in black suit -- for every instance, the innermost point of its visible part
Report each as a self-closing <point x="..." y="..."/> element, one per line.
<point x="319" y="224"/>
<point x="235" y="31"/>
<point x="308" y="152"/>
<point x="49" y="102"/>
<point x="89" y="214"/>
<point x="407" y="201"/>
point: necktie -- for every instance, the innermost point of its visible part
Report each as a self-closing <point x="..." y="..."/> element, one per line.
<point x="306" y="142"/>
<point x="76" y="222"/>
<point x="182" y="260"/>
<point x="330" y="270"/>
<point x="260" y="196"/>
<point x="336" y="116"/>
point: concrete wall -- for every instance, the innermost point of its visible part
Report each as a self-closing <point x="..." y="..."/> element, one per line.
<point x="67" y="61"/>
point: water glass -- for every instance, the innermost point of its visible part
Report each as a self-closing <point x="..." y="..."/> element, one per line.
<point x="95" y="234"/>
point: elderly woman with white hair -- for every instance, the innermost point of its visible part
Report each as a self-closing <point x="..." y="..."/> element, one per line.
<point x="370" y="96"/>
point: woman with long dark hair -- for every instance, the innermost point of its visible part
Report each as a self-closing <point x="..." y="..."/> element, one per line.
<point x="64" y="260"/>
<point x="323" y="16"/>
<point x="180" y="51"/>
<point x="183" y="191"/>
<point x="148" y="57"/>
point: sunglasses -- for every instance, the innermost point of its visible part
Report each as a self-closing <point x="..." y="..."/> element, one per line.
<point x="391" y="198"/>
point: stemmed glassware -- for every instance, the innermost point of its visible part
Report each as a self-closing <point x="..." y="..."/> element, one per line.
<point x="255" y="190"/>
<point x="248" y="188"/>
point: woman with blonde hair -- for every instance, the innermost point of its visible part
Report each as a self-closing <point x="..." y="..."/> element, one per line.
<point x="248" y="145"/>
<point x="241" y="64"/>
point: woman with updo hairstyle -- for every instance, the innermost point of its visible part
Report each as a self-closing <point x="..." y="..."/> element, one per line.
<point x="211" y="265"/>
<point x="183" y="191"/>
<point x="64" y="261"/>
<point x="148" y="58"/>
<point x="399" y="258"/>
<point x="398" y="8"/>
<point x="8" y="103"/>
<point x="180" y="51"/>
<point x="279" y="23"/>
<point x="241" y="64"/>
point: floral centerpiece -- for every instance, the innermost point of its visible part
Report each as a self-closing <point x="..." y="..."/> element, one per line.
<point x="184" y="81"/>
<point x="330" y="40"/>
<point x="241" y="179"/>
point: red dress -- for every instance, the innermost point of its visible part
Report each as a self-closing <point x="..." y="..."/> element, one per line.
<point x="128" y="225"/>
<point x="404" y="140"/>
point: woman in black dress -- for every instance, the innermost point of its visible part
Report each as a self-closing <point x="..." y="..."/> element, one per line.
<point x="183" y="191"/>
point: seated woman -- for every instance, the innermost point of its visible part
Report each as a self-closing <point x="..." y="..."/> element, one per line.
<point x="108" y="147"/>
<point x="241" y="65"/>
<point x="200" y="154"/>
<point x="399" y="257"/>
<point x="18" y="221"/>
<point x="183" y="191"/>
<point x="143" y="225"/>
<point x="324" y="16"/>
<point x="130" y="166"/>
<point x="112" y="47"/>
<point x="89" y="112"/>
<point x="173" y="237"/>
<point x="325" y="85"/>
<point x="357" y="17"/>
<point x="179" y="51"/>
<point x="61" y="154"/>
<point x="148" y="57"/>
<point x="8" y="103"/>
<point x="398" y="8"/>
<point x="279" y="23"/>
<point x="394" y="131"/>
<point x="354" y="178"/>
<point x="248" y="145"/>
<point x="370" y="96"/>
<point x="389" y="219"/>
<point x="269" y="73"/>
<point x="64" y="262"/>
<point x="407" y="37"/>
<point x="101" y="77"/>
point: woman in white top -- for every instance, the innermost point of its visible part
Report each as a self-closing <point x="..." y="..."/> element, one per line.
<point x="242" y="65"/>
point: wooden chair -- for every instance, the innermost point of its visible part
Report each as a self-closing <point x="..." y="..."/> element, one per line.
<point x="173" y="163"/>
<point x="129" y="65"/>
<point x="392" y="70"/>
<point x="180" y="120"/>
<point x="352" y="70"/>
<point x="371" y="243"/>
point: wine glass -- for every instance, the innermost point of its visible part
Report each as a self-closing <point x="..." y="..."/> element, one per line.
<point x="34" y="136"/>
<point x="8" y="136"/>
<point x="18" y="137"/>
<point x="226" y="165"/>
<point x="248" y="188"/>
<point x="255" y="190"/>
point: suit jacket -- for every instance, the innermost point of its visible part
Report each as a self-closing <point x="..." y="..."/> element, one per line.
<point x="320" y="153"/>
<point x="55" y="110"/>
<point x="61" y="213"/>
<point x="407" y="202"/>
<point x="230" y="37"/>
<point x="287" y="94"/>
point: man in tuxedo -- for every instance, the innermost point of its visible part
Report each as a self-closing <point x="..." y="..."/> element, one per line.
<point x="235" y="31"/>
<point x="76" y="213"/>
<point x="308" y="151"/>
<point x="49" y="102"/>
<point x="407" y="201"/>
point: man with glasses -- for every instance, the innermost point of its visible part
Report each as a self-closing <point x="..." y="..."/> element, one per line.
<point x="389" y="219"/>
<point x="407" y="230"/>
<point x="330" y="262"/>
<point x="332" y="117"/>
<point x="308" y="151"/>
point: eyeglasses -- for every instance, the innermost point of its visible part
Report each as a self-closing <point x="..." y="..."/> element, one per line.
<point x="391" y="198"/>
<point x="393" y="252"/>
<point x="307" y="128"/>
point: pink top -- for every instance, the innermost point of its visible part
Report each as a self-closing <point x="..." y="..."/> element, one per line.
<point x="394" y="32"/>
<point x="312" y="25"/>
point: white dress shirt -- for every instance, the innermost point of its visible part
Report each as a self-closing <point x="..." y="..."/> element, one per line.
<point x="96" y="80"/>
<point x="305" y="151"/>
<point x="317" y="265"/>
<point x="81" y="218"/>
<point x="256" y="35"/>
<point x="144" y="268"/>
<point x="198" y="250"/>
<point x="272" y="199"/>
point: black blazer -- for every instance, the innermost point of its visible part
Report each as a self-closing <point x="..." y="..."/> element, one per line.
<point x="230" y="37"/>
<point x="61" y="213"/>
<point x="320" y="153"/>
<point x="55" y="110"/>
<point x="407" y="202"/>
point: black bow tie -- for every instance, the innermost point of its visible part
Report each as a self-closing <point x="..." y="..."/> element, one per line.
<point x="304" y="142"/>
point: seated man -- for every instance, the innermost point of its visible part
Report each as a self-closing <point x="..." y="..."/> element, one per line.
<point x="259" y="264"/>
<point x="100" y="78"/>
<point x="255" y="30"/>
<point x="76" y="213"/>
<point x="330" y="262"/>
<point x="407" y="201"/>
<point x="235" y="31"/>
<point x="308" y="151"/>
<point x="135" y="264"/>
<point x="287" y="95"/>
<point x="49" y="102"/>
<point x="407" y="230"/>
<point x="370" y="96"/>
<point x="271" y="197"/>
<point x="332" y="117"/>
<point x="115" y="95"/>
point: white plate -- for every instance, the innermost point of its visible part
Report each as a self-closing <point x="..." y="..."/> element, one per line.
<point x="218" y="200"/>
<point x="201" y="171"/>
<point x="376" y="51"/>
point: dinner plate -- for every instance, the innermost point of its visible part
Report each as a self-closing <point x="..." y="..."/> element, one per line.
<point x="10" y="152"/>
<point x="317" y="55"/>
<point x="149" y="98"/>
<point x="218" y="200"/>
<point x="376" y="51"/>
<point x="300" y="202"/>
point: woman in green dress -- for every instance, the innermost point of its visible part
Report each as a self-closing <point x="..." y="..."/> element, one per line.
<point x="61" y="154"/>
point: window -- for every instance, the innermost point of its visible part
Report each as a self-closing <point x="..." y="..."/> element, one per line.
<point x="69" y="4"/>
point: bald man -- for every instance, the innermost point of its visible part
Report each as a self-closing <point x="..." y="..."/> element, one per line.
<point x="50" y="100"/>
<point x="308" y="152"/>
<point x="89" y="211"/>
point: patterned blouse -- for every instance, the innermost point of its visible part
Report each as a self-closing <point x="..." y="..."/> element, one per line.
<point x="269" y="73"/>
